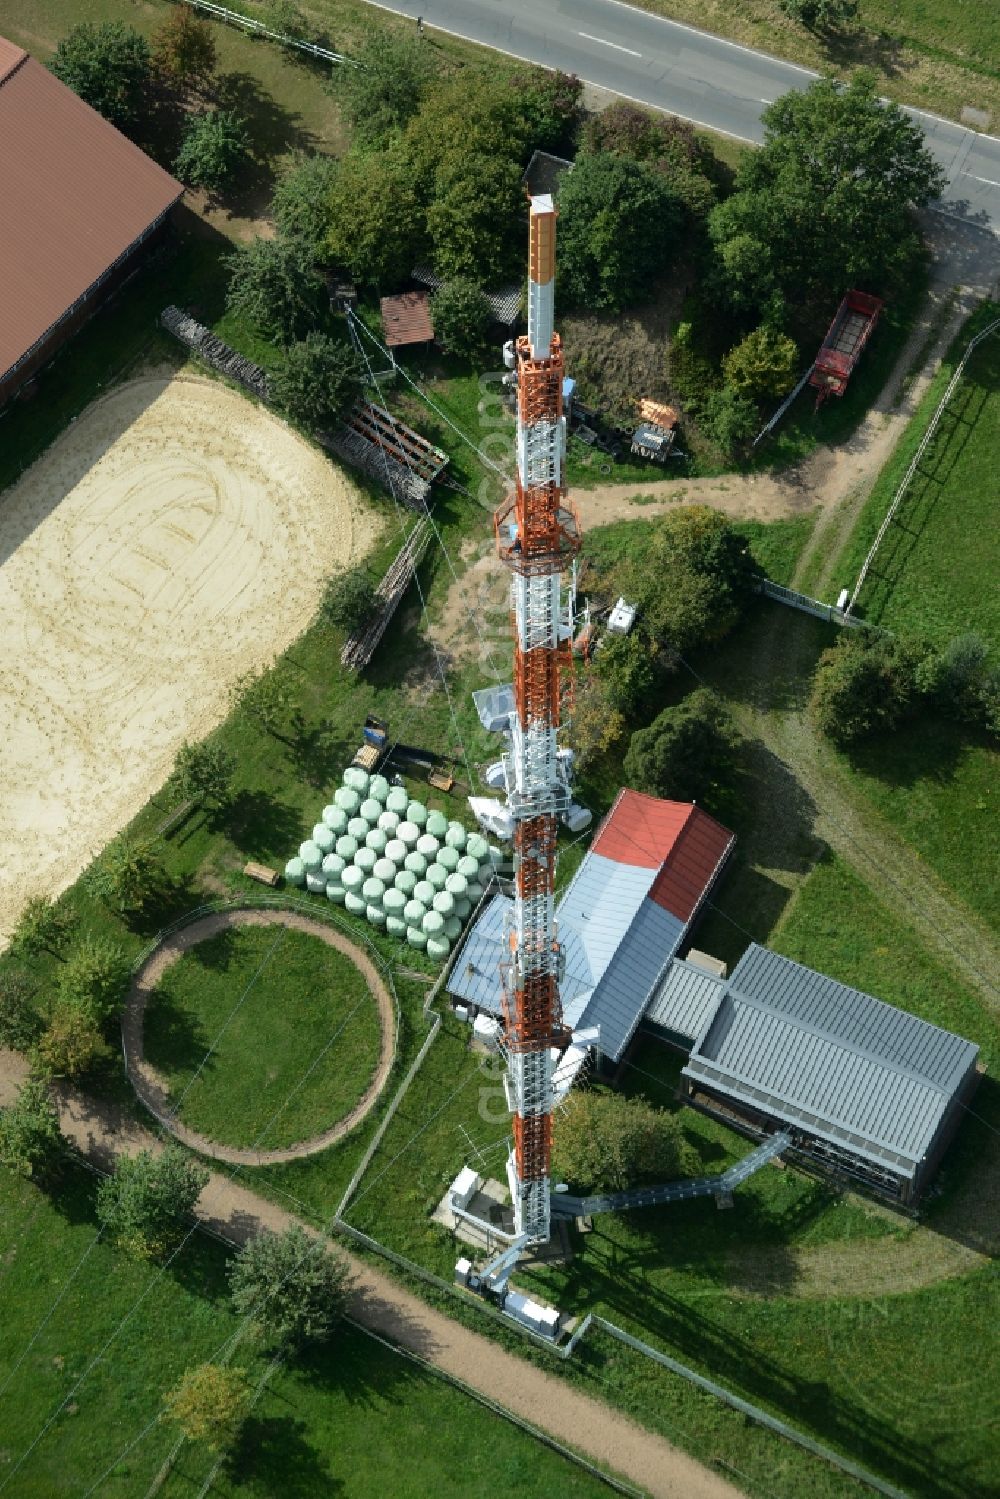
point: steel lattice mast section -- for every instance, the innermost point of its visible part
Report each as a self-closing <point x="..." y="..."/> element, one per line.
<point x="536" y="532"/>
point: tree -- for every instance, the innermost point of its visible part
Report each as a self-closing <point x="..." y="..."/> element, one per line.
<point x="668" y="144"/>
<point x="301" y="203"/>
<point x="19" y="1022"/>
<point x="618" y="229"/>
<point x="691" y="580"/>
<point x="764" y="364"/>
<point x="95" y="979"/>
<point x="108" y="65"/>
<point x="214" y="147"/>
<point x="317" y="383"/>
<point x="127" y="877"/>
<point x="292" y="1287"/>
<point x="821" y="15"/>
<point x="961" y="682"/>
<point x="265" y="697"/>
<point x="349" y="600"/>
<point x="273" y="285"/>
<point x="43" y="926"/>
<point x="209" y="1403"/>
<point x="30" y="1139"/>
<point x="686" y="753"/>
<point x="143" y="1207"/>
<point x="71" y="1043"/>
<point x="826" y="202"/>
<point x="604" y="1142"/>
<point x="626" y="666"/>
<point x="385" y="90"/>
<point x="376" y="228"/>
<point x="204" y="772"/>
<point x="728" y="419"/>
<point x="462" y="317"/>
<point x="184" y="47"/>
<point x="595" y="727"/>
<point x="549" y="105"/>
<point x="865" y="684"/>
<point x="477" y="205"/>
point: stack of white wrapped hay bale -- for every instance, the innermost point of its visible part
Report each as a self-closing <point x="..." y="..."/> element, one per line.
<point x="387" y="858"/>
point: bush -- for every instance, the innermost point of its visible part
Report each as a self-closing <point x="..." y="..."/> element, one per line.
<point x="618" y="230"/>
<point x="317" y="382"/>
<point x="184" y="47"/>
<point x="143" y="1207"/>
<point x="961" y="683"/>
<point x="764" y="364"/>
<point x="821" y="15"/>
<point x="273" y="285"/>
<point x="595" y="727"/>
<point x="71" y="1044"/>
<point x="266" y="698"/>
<point x="214" y="147"/>
<point x="43" y="926"/>
<point x="209" y="1404"/>
<point x="550" y="105"/>
<point x="729" y="419"/>
<point x="19" y="1022"/>
<point x="462" y="317"/>
<point x="604" y="1142"/>
<point x="865" y="684"/>
<point x="687" y="753"/>
<point x="711" y="571"/>
<point x="292" y="1287"/>
<point x="94" y="979"/>
<point x="690" y="370"/>
<point x="301" y="203"/>
<point x="30" y="1139"/>
<point x="108" y="65"/>
<point x="349" y="600"/>
<point x="204" y="772"/>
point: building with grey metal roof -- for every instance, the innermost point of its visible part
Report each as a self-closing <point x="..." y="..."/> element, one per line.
<point x="683" y="1002"/>
<point x="626" y="912"/>
<point x="872" y="1092"/>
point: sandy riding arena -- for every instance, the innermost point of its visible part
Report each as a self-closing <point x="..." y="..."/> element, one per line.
<point x="175" y="536"/>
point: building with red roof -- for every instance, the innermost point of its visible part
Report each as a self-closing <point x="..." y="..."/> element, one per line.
<point x="627" y="912"/>
<point x="79" y="205"/>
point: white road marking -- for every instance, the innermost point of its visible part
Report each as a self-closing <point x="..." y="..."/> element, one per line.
<point x="989" y="180"/>
<point x="588" y="38"/>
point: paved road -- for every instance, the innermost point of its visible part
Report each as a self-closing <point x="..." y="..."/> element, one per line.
<point x="690" y="73"/>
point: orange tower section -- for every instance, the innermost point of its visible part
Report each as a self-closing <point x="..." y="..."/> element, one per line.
<point x="537" y="532"/>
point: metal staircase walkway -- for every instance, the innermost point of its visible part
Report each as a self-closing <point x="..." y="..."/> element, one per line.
<point x="567" y="1206"/>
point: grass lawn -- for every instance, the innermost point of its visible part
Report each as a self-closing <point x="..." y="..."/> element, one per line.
<point x="293" y="993"/>
<point x="938" y="786"/>
<point x="935" y="571"/>
<point x="353" y="1419"/>
<point x="938" y="54"/>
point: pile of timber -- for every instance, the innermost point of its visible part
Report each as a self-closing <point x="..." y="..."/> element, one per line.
<point x="203" y="342"/>
<point x="361" y="646"/>
<point x="388" y="451"/>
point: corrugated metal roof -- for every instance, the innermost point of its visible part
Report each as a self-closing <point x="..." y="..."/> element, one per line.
<point x="640" y="829"/>
<point x="600" y="906"/>
<point x="698" y="850"/>
<point x="619" y="999"/>
<point x="11" y="57"/>
<point x="406" y="319"/>
<point x="811" y="1051"/>
<point x="76" y="195"/>
<point x="685" y="999"/>
<point x="505" y="302"/>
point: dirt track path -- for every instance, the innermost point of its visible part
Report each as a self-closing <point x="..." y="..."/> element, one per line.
<point x="544" y="1400"/>
<point x="150" y="1086"/>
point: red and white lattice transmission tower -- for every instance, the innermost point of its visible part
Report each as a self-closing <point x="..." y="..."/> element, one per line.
<point x="537" y="532"/>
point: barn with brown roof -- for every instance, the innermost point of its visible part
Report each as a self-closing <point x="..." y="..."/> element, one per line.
<point x="78" y="205"/>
